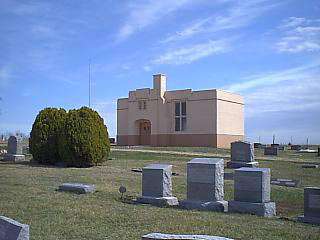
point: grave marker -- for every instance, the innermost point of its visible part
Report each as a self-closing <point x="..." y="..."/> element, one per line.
<point x="162" y="236"/>
<point x="14" y="150"/>
<point x="242" y="155"/>
<point x="157" y="185"/>
<point x="271" y="151"/>
<point x="252" y="192"/>
<point x="205" y="180"/>
<point x="13" y="230"/>
<point x="311" y="206"/>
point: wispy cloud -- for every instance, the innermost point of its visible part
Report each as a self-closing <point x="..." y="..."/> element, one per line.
<point x="145" y="13"/>
<point x="192" y="53"/>
<point x="239" y="14"/>
<point x="300" y="35"/>
<point x="273" y="78"/>
<point x="294" y="89"/>
<point x="5" y="76"/>
<point x="107" y="110"/>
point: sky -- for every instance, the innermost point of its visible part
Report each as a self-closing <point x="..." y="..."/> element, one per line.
<point x="267" y="51"/>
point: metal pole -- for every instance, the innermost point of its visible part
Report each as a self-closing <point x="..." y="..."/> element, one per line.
<point x="89" y="83"/>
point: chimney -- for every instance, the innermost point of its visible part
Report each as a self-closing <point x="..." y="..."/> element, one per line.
<point x="160" y="83"/>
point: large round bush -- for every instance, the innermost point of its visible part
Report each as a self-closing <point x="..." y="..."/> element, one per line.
<point x="44" y="135"/>
<point x="84" y="141"/>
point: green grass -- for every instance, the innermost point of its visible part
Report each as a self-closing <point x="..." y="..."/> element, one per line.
<point x="28" y="194"/>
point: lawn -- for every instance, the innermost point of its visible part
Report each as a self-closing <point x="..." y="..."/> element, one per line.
<point x="28" y="194"/>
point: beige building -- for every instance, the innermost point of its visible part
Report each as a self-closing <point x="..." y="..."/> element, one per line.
<point x="159" y="117"/>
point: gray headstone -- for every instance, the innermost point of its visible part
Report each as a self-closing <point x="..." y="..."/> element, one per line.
<point x="296" y="147"/>
<point x="162" y="236"/>
<point x="312" y="202"/>
<point x="205" y="178"/>
<point x="311" y="206"/>
<point x="252" y="192"/>
<point x="252" y="185"/>
<point x="13" y="230"/>
<point x="273" y="151"/>
<point x="242" y="151"/>
<point x="156" y="180"/>
<point x="14" y="145"/>
<point x="79" y="188"/>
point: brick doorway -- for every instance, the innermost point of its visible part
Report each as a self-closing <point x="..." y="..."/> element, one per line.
<point x="144" y="132"/>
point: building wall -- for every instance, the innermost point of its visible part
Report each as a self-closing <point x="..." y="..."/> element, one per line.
<point x="214" y="117"/>
<point x="230" y="118"/>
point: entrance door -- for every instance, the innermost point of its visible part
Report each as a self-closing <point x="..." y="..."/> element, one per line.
<point x="145" y="132"/>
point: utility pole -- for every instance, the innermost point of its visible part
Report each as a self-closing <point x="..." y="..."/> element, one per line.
<point x="89" y="83"/>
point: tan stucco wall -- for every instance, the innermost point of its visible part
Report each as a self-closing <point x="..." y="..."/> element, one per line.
<point x="214" y="117"/>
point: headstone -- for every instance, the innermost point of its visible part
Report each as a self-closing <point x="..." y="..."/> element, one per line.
<point x="262" y="146"/>
<point x="271" y="151"/>
<point x="296" y="147"/>
<point x="13" y="230"/>
<point x="205" y="180"/>
<point x="252" y="192"/>
<point x="157" y="185"/>
<point x="79" y="188"/>
<point x="256" y="145"/>
<point x="162" y="236"/>
<point x="285" y="182"/>
<point x="309" y="166"/>
<point x="311" y="206"/>
<point x="14" y="150"/>
<point x="242" y="155"/>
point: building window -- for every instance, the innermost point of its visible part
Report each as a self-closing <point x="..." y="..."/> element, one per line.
<point x="180" y="116"/>
<point x="142" y="105"/>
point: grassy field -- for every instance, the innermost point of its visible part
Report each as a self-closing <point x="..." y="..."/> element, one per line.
<point x="28" y="194"/>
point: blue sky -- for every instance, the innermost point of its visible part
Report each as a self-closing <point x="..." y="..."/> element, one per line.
<point x="268" y="51"/>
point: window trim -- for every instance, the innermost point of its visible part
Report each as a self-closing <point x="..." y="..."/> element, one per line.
<point x="181" y="116"/>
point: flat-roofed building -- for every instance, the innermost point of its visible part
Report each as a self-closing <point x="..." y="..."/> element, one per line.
<point x="158" y="117"/>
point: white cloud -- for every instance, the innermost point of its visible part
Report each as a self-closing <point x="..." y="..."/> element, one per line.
<point x="148" y="12"/>
<point x="192" y="53"/>
<point x="295" y="89"/>
<point x="300" y="35"/>
<point x="273" y="78"/>
<point x="240" y="14"/>
<point x="107" y="110"/>
<point x="5" y="76"/>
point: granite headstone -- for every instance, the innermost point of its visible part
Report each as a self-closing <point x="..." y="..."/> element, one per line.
<point x="13" y="230"/>
<point x="205" y="180"/>
<point x="157" y="185"/>
<point x="242" y="155"/>
<point x="311" y="206"/>
<point x="14" y="150"/>
<point x="252" y="192"/>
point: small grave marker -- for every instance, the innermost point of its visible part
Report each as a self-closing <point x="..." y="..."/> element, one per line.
<point x="13" y="230"/>
<point x="79" y="188"/>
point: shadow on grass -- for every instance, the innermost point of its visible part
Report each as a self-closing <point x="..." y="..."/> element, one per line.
<point x="31" y="163"/>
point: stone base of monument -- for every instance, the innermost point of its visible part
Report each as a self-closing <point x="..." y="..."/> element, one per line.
<point x="159" y="201"/>
<point x="312" y="220"/>
<point x="234" y="164"/>
<point x="159" y="236"/>
<point x="14" y="158"/>
<point x="217" y="206"/>
<point x="79" y="188"/>
<point x="261" y="209"/>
